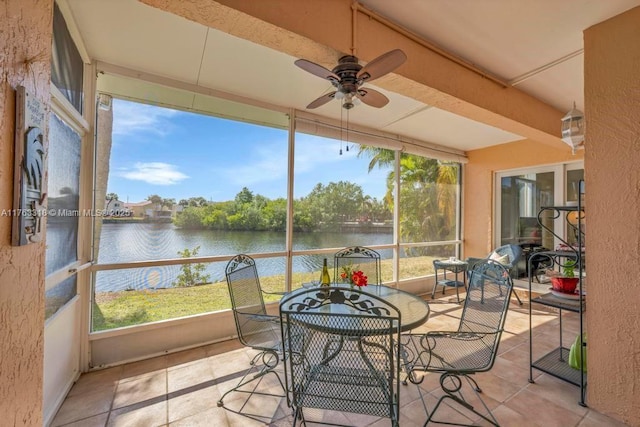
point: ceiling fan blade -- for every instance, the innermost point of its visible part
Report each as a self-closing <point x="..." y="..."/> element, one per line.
<point x="322" y="100"/>
<point x="382" y="65"/>
<point x="317" y="70"/>
<point x="372" y="97"/>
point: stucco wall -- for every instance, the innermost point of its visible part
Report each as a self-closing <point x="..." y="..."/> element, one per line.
<point x="25" y="51"/>
<point x="478" y="184"/>
<point x="612" y="183"/>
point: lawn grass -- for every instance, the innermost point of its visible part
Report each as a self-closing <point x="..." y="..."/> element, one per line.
<point x="127" y="308"/>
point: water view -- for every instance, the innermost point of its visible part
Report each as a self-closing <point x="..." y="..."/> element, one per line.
<point x="128" y="242"/>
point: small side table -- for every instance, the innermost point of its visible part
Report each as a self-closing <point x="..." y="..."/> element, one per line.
<point x="452" y="266"/>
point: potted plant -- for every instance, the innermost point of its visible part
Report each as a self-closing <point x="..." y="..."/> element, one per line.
<point x="564" y="281"/>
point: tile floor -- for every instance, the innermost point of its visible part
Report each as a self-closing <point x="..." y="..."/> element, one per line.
<point x="182" y="389"/>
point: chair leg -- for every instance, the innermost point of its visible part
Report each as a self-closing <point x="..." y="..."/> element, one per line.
<point x="517" y="297"/>
<point x="269" y="360"/>
<point x="453" y="392"/>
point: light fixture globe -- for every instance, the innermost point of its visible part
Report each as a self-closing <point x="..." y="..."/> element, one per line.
<point x="573" y="128"/>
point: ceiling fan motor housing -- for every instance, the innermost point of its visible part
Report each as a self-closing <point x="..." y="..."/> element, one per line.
<point x="347" y="69"/>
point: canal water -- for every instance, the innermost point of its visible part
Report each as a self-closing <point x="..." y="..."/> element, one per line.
<point x="149" y="241"/>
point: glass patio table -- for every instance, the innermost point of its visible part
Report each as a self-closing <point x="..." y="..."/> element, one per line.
<point x="414" y="311"/>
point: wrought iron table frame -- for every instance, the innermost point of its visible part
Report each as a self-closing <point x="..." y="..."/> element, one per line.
<point x="456" y="267"/>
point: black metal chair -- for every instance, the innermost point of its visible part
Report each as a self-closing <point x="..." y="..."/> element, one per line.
<point x="472" y="348"/>
<point x="341" y="352"/>
<point x="255" y="328"/>
<point x="357" y="258"/>
<point x="507" y="255"/>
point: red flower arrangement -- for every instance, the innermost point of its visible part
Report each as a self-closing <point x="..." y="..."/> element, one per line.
<point x="358" y="278"/>
<point x="350" y="275"/>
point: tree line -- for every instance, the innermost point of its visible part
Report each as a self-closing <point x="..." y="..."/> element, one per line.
<point x="325" y="206"/>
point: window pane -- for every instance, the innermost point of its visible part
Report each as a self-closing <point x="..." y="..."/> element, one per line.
<point x="429" y="193"/>
<point x="66" y="62"/>
<point x="179" y="180"/>
<point x="573" y="181"/>
<point x="60" y="294"/>
<point x="339" y="202"/>
<point x="63" y="187"/>
<point x="522" y="197"/>
<point x="176" y="184"/>
<point x="136" y="296"/>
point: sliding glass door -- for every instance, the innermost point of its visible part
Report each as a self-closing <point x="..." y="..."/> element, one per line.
<point x="521" y="194"/>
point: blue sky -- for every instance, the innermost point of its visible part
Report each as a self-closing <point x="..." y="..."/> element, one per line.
<point x="179" y="155"/>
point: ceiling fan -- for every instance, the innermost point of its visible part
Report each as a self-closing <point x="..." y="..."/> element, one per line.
<point x="348" y="76"/>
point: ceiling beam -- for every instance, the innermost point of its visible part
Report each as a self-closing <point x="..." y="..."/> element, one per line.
<point x="323" y="31"/>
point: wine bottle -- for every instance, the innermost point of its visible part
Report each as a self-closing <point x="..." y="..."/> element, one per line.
<point x="325" y="279"/>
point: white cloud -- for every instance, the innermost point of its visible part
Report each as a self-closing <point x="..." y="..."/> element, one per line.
<point x="131" y="117"/>
<point x="156" y="173"/>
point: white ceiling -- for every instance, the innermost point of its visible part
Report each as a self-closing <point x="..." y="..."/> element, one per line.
<point x="507" y="38"/>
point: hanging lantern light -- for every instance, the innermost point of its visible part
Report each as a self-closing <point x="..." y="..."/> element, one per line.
<point x="573" y="128"/>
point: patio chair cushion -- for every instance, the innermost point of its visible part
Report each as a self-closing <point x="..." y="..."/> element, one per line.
<point x="502" y="259"/>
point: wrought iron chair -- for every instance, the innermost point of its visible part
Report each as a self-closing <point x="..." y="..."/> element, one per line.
<point x="341" y="352"/>
<point x="457" y="355"/>
<point x="255" y="328"/>
<point x="358" y="258"/>
<point x="507" y="255"/>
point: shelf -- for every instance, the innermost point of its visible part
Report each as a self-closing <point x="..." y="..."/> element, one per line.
<point x="563" y="208"/>
<point x="562" y="303"/>
<point x="451" y="283"/>
<point x="555" y="363"/>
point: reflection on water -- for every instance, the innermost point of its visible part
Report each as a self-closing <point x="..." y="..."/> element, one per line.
<point x="146" y="241"/>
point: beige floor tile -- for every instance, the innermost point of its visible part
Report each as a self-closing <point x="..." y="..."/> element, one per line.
<point x="95" y="421"/>
<point x="90" y="382"/>
<point x="508" y="417"/>
<point x="148" y="388"/>
<point x="183" y="358"/>
<point x="543" y="412"/>
<point x="182" y="389"/>
<point x="192" y="374"/>
<point x="559" y="392"/>
<point x="132" y="371"/>
<point x="81" y="406"/>
<point x="595" y="419"/>
<point x="148" y="414"/>
<point x="188" y="402"/>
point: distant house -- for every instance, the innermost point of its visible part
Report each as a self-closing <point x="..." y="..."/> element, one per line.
<point x="114" y="207"/>
<point x="149" y="210"/>
<point x="143" y="209"/>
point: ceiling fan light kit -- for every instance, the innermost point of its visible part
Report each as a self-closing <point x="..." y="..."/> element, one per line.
<point x="348" y="76"/>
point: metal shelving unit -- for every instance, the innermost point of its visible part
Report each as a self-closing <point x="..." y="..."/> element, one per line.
<point x="556" y="361"/>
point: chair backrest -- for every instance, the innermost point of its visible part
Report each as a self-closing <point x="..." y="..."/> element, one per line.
<point x="341" y="351"/>
<point x="514" y="252"/>
<point x="486" y="305"/>
<point x="247" y="303"/>
<point x="358" y="258"/>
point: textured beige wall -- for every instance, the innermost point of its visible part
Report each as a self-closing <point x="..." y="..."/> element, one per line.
<point x="25" y="51"/>
<point x="478" y="192"/>
<point x="612" y="183"/>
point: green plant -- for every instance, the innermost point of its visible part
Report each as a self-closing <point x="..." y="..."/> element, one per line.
<point x="191" y="274"/>
<point x="568" y="268"/>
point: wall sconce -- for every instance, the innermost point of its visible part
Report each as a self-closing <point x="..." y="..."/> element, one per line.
<point x="573" y="129"/>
